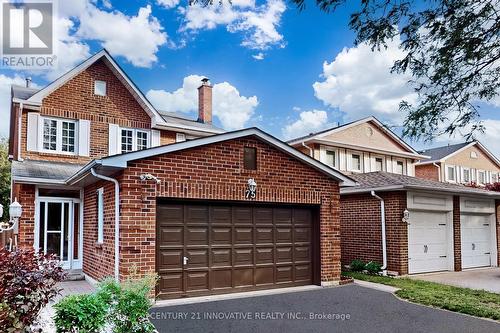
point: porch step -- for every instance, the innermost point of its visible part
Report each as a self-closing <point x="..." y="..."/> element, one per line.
<point x="74" y="275"/>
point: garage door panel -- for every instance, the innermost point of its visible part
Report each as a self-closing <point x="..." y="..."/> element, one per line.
<point x="476" y="240"/>
<point x="231" y="248"/>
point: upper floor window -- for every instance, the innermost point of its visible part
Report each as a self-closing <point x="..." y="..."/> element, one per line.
<point x="481" y="177"/>
<point x="59" y="135"/>
<point x="399" y="167"/>
<point x="494" y="177"/>
<point x="134" y="139"/>
<point x="466" y="175"/>
<point x="180" y="137"/>
<point x="379" y="164"/>
<point x="451" y="173"/>
<point x="330" y="158"/>
<point x="250" y="158"/>
<point x="100" y="88"/>
<point x="356" y="162"/>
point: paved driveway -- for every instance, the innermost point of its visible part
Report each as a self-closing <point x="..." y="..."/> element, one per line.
<point x="349" y="308"/>
<point x="487" y="278"/>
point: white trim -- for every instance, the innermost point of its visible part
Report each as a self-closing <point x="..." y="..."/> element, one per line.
<point x="322" y="156"/>
<point x="458" y="190"/>
<point x="447" y="173"/>
<point x="34" y="180"/>
<point x="121" y="161"/>
<point x="479" y="172"/>
<point x="135" y="132"/>
<point x="479" y="144"/>
<point x="463" y="175"/>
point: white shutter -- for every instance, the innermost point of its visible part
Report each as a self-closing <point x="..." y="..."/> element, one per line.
<point x="33" y="131"/>
<point x="84" y="137"/>
<point x="113" y="141"/>
<point x="155" y="138"/>
<point x="366" y="163"/>
<point x="342" y="160"/>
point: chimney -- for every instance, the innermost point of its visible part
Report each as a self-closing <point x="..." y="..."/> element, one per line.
<point x="28" y="81"/>
<point x="205" y="102"/>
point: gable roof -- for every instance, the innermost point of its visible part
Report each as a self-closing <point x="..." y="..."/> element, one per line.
<point x="35" y="97"/>
<point x="119" y="162"/>
<point x="384" y="181"/>
<point x="442" y="153"/>
<point x="318" y="136"/>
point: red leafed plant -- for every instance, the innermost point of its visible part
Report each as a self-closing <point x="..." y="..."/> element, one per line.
<point x="493" y="187"/>
<point x="27" y="283"/>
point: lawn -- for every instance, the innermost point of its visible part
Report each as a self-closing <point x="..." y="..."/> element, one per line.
<point x="473" y="302"/>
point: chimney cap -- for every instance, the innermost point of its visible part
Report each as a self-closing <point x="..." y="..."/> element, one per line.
<point x="28" y="81"/>
<point x="205" y="81"/>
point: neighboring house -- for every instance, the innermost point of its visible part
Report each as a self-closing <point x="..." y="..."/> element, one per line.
<point x="463" y="163"/>
<point x="108" y="183"/>
<point x="448" y="227"/>
<point x="362" y="146"/>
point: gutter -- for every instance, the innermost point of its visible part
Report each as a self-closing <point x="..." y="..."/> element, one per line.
<point x="310" y="149"/>
<point x="384" y="243"/>
<point x="117" y="220"/>
<point x="439" y="170"/>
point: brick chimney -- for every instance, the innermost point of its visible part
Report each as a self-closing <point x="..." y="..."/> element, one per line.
<point x="205" y="102"/>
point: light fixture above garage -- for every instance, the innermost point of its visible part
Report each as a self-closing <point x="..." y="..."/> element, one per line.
<point x="406" y="216"/>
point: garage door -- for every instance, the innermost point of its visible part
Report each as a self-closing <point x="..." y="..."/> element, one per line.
<point x="476" y="240"/>
<point x="427" y="242"/>
<point x="210" y="249"/>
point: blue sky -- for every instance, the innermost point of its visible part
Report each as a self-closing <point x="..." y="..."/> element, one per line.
<point x="272" y="66"/>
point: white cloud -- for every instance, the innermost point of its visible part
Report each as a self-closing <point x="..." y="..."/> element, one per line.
<point x="308" y="122"/>
<point x="232" y="109"/>
<point x="258" y="56"/>
<point x="5" y="85"/>
<point x="358" y="82"/>
<point x="168" y="3"/>
<point x="257" y="23"/>
<point x="137" y="38"/>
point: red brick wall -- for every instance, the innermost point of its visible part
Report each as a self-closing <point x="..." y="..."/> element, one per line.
<point x="457" y="242"/>
<point x="216" y="172"/>
<point x="427" y="171"/>
<point x="76" y="100"/>
<point x="26" y="197"/>
<point x="361" y="230"/>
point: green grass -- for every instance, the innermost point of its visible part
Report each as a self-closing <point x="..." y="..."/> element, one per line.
<point x="473" y="302"/>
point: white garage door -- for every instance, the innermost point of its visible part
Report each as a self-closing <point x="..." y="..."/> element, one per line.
<point x="476" y="240"/>
<point x="427" y="242"/>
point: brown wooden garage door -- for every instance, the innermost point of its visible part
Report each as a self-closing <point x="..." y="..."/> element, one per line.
<point x="210" y="249"/>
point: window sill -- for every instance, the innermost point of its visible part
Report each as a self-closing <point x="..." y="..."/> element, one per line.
<point x="99" y="245"/>
<point x="55" y="154"/>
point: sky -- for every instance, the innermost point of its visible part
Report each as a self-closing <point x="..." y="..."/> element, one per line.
<point x="286" y="71"/>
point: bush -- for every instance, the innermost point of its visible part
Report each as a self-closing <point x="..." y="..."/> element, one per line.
<point x="84" y="313"/>
<point x="130" y="303"/>
<point x="27" y="283"/>
<point x="373" y="268"/>
<point x="357" y="265"/>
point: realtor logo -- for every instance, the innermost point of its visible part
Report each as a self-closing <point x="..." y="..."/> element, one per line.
<point x="28" y="34"/>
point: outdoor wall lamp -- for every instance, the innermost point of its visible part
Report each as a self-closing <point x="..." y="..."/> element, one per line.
<point x="15" y="211"/>
<point x="406" y="216"/>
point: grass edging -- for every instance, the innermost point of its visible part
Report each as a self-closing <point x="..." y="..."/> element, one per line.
<point x="477" y="303"/>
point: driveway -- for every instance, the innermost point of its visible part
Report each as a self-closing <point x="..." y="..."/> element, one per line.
<point x="487" y="278"/>
<point x="349" y="308"/>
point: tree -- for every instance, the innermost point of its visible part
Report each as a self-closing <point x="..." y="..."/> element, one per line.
<point x="452" y="51"/>
<point x="4" y="174"/>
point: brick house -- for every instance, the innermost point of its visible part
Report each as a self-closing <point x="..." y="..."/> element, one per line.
<point x="108" y="183"/>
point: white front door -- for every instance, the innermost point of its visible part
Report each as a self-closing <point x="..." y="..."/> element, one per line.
<point x="475" y="233"/>
<point x="427" y="242"/>
<point x="59" y="230"/>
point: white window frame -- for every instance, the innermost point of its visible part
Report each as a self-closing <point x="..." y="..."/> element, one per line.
<point x="479" y="172"/>
<point x="100" y="84"/>
<point x="335" y="157"/>
<point x="463" y="175"/>
<point x="448" y="167"/>
<point x="494" y="177"/>
<point x="403" y="170"/>
<point x="374" y="159"/>
<point x="100" y="215"/>
<point x="135" y="131"/>
<point x="59" y="136"/>
<point x="350" y="160"/>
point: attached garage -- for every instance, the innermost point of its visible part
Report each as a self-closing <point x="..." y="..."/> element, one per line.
<point x="223" y="247"/>
<point x="478" y="233"/>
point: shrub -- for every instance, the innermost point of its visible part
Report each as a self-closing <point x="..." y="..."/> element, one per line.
<point x="84" y="313"/>
<point x="373" y="268"/>
<point x="27" y="283"/>
<point x="130" y="303"/>
<point x="357" y="265"/>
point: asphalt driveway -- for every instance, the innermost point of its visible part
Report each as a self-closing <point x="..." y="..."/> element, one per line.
<point x="348" y="308"/>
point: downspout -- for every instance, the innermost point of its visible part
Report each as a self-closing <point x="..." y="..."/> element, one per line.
<point x="310" y="149"/>
<point x="384" y="245"/>
<point x="439" y="170"/>
<point x="117" y="220"/>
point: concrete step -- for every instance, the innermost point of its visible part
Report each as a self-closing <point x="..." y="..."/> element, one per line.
<point x="74" y="275"/>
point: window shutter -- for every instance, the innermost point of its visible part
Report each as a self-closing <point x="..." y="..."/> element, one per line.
<point x="114" y="139"/>
<point x="33" y="131"/>
<point x="155" y="138"/>
<point x="366" y="163"/>
<point x="84" y="137"/>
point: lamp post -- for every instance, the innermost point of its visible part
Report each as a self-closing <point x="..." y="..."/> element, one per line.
<point x="15" y="211"/>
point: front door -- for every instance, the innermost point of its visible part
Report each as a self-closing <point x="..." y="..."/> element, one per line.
<point x="59" y="230"/>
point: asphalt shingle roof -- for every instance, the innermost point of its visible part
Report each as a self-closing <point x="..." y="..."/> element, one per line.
<point x="23" y="92"/>
<point x="176" y="118"/>
<point x="440" y="152"/>
<point x="380" y="180"/>
<point x="44" y="169"/>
